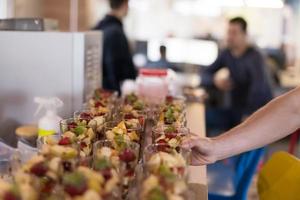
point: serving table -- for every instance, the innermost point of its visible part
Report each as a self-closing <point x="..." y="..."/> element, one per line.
<point x="196" y="124"/>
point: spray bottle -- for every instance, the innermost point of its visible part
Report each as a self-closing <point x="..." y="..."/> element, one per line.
<point x="49" y="123"/>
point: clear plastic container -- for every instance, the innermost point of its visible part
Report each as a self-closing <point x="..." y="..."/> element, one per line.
<point x="152" y="85"/>
<point x="26" y="151"/>
<point x="8" y="161"/>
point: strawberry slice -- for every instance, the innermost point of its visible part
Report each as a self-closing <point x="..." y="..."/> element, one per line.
<point x="72" y="125"/>
<point x="39" y="169"/>
<point x="48" y="185"/>
<point x="99" y="104"/>
<point x="141" y="120"/>
<point x="86" y="116"/>
<point x="75" y="191"/>
<point x="129" y="116"/>
<point x="169" y="99"/>
<point x="129" y="173"/>
<point x="170" y="135"/>
<point x="106" y="173"/>
<point x="83" y="145"/>
<point x="127" y="156"/>
<point x="65" y="141"/>
<point x="75" y="184"/>
<point x="10" y="196"/>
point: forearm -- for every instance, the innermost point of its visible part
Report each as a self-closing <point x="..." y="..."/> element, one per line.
<point x="276" y="120"/>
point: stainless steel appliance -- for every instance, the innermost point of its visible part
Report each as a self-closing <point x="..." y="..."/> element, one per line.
<point x="66" y="65"/>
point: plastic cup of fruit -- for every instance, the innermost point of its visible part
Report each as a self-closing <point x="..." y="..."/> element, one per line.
<point x="169" y="134"/>
<point x="83" y="115"/>
<point x="67" y="125"/>
<point x="164" y="186"/>
<point x="108" y="126"/>
<point x="140" y="115"/>
<point x="177" y="159"/>
<point x="128" y="153"/>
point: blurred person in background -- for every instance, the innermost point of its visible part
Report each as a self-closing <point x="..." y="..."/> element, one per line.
<point x="117" y="58"/>
<point x="162" y="62"/>
<point x="240" y="74"/>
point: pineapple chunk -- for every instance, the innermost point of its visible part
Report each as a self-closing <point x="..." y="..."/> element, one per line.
<point x="133" y="136"/>
<point x="110" y="135"/>
<point x="122" y="126"/>
<point x="150" y="183"/>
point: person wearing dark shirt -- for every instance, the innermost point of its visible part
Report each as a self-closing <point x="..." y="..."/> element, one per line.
<point x="162" y="62"/>
<point x="247" y="87"/>
<point x="117" y="58"/>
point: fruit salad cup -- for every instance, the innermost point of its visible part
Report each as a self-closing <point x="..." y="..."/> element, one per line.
<point x="170" y="114"/>
<point x="91" y="119"/>
<point x="176" y="160"/>
<point x="67" y="155"/>
<point x="87" y="184"/>
<point x="28" y="187"/>
<point x="126" y="130"/>
<point x="163" y="186"/>
<point x="77" y="133"/>
<point x="169" y="134"/>
<point x="42" y="175"/>
<point x="140" y="116"/>
<point x="121" y="155"/>
<point x="177" y="101"/>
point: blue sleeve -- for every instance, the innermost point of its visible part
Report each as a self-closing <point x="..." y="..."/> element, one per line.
<point x="208" y="74"/>
<point x="260" y="91"/>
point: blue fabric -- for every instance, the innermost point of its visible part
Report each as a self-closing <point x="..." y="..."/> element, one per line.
<point x="221" y="118"/>
<point x="251" y="87"/>
<point x="162" y="63"/>
<point x="230" y="180"/>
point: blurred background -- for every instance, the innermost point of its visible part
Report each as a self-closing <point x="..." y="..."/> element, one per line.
<point x="272" y="24"/>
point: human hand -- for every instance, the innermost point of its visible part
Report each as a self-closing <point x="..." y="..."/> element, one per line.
<point x="223" y="84"/>
<point x="222" y="80"/>
<point x="202" y="149"/>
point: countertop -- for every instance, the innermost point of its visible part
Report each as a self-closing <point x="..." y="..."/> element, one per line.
<point x="196" y="124"/>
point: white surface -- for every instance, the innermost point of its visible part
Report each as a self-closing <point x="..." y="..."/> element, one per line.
<point x="191" y="51"/>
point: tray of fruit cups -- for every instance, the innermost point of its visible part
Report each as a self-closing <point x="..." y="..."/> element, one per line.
<point x="75" y="132"/>
<point x="169" y="134"/>
<point x="156" y="155"/>
<point x="164" y="185"/>
<point x="122" y="156"/>
<point x="129" y="130"/>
